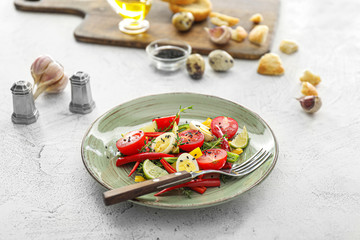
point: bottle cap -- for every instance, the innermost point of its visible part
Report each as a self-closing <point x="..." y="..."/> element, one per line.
<point x="21" y="88"/>
<point x="80" y="78"/>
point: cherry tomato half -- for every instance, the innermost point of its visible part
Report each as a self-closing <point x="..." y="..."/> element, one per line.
<point x="191" y="139"/>
<point x="227" y="125"/>
<point x="212" y="159"/>
<point x="166" y="123"/>
<point x="131" y="143"/>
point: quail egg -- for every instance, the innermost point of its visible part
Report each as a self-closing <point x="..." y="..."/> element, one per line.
<point x="183" y="21"/>
<point x="220" y="60"/>
<point x="195" y="65"/>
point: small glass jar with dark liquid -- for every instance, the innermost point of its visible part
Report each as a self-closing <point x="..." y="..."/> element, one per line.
<point x="168" y="55"/>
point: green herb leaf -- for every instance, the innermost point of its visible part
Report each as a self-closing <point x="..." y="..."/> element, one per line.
<point x="187" y="192"/>
<point x="211" y="145"/>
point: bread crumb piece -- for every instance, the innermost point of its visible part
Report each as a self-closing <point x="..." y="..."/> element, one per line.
<point x="218" y="22"/>
<point x="231" y="21"/>
<point x="288" y="46"/>
<point x="270" y="64"/>
<point x="256" y="18"/>
<point x="310" y="77"/>
<point x="238" y="34"/>
<point x="259" y="34"/>
<point x="308" y="89"/>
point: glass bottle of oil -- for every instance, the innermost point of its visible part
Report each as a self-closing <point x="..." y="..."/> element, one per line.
<point x="133" y="13"/>
<point x="134" y="9"/>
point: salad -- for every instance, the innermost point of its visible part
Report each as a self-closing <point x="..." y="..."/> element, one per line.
<point x="167" y="145"/>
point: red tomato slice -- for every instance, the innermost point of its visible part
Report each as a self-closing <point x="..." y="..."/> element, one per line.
<point x="166" y="123"/>
<point x="131" y="143"/>
<point x="153" y="134"/>
<point x="227" y="125"/>
<point x="212" y="159"/>
<point x="191" y="139"/>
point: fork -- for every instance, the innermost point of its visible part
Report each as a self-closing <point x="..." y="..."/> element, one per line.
<point x="135" y="190"/>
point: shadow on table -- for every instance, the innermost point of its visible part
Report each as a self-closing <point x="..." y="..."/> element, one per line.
<point x="220" y="219"/>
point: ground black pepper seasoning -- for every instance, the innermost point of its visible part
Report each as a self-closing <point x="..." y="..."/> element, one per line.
<point x="170" y="53"/>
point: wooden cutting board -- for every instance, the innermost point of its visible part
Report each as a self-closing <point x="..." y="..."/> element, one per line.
<point x="100" y="24"/>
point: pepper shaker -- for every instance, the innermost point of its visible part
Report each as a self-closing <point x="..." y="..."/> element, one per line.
<point x="81" y="98"/>
<point x="25" y="111"/>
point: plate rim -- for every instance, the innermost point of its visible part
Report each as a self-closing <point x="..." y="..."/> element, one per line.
<point x="193" y="206"/>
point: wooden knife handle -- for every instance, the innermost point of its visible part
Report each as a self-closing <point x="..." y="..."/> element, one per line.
<point x="138" y="189"/>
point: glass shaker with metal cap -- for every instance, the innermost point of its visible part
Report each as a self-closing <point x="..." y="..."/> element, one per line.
<point x="81" y="98"/>
<point x="25" y="111"/>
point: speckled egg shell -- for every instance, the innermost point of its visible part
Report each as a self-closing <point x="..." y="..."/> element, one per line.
<point x="195" y="65"/>
<point x="220" y="60"/>
<point x="183" y="21"/>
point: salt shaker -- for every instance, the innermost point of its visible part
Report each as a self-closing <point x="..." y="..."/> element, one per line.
<point x="81" y="98"/>
<point x="25" y="111"/>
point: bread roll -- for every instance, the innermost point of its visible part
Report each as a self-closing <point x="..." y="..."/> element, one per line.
<point x="200" y="9"/>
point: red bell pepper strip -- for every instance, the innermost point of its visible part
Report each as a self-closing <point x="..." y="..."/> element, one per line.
<point x="200" y="190"/>
<point x="134" y="168"/>
<point x="170" y="170"/>
<point x="224" y="143"/>
<point x="153" y="134"/>
<point x="227" y="165"/>
<point x="141" y="157"/>
<point x="193" y="183"/>
<point x="167" y="166"/>
<point x="178" y="154"/>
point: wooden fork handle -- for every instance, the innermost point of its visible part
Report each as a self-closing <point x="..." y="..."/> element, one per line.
<point x="135" y="190"/>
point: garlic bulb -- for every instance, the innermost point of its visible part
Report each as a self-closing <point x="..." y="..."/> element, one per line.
<point x="48" y="76"/>
<point x="58" y="86"/>
<point x="39" y="66"/>
<point x="219" y="35"/>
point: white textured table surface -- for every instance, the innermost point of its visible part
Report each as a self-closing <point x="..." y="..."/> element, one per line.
<point x="313" y="192"/>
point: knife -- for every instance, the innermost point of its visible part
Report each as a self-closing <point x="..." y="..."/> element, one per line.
<point x="138" y="189"/>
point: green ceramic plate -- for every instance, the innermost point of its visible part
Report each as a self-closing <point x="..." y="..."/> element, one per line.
<point x="98" y="149"/>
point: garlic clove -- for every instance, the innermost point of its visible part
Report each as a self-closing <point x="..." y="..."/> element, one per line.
<point x="48" y="76"/>
<point x="54" y="72"/>
<point x="219" y="35"/>
<point x="59" y="85"/>
<point x="39" y="66"/>
<point x="310" y="104"/>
